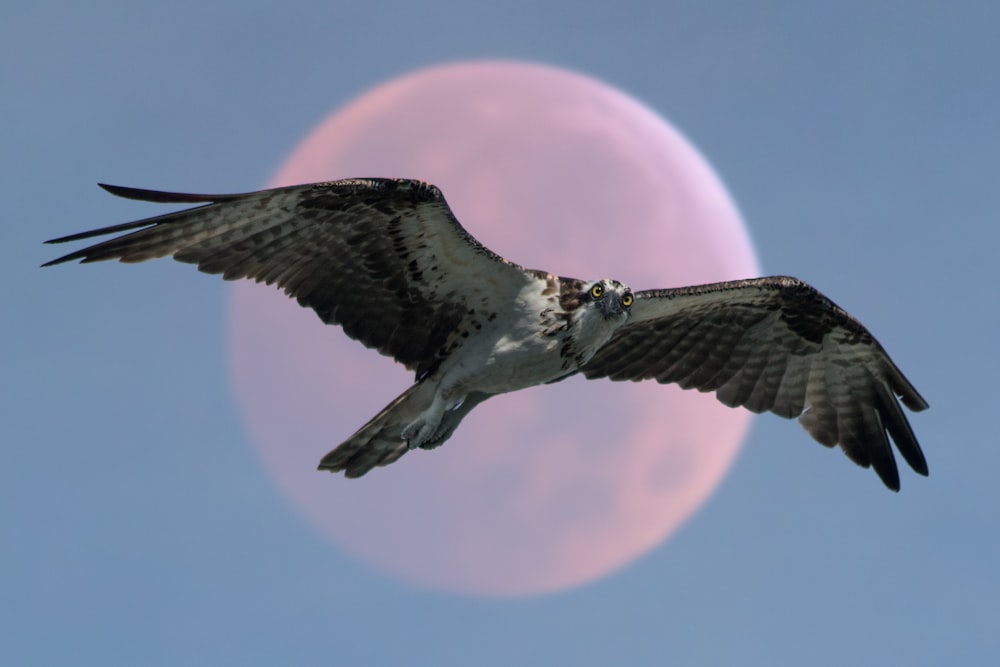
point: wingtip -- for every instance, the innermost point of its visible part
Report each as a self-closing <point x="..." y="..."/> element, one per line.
<point x="60" y="239"/>
<point x="164" y="197"/>
<point x="915" y="402"/>
<point x="919" y="466"/>
<point x="133" y="193"/>
<point x="127" y="192"/>
<point x="888" y="473"/>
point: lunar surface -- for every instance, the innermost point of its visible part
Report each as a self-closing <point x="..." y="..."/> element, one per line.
<point x="547" y="488"/>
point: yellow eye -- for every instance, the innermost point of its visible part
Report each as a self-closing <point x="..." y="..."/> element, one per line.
<point x="597" y="291"/>
<point x="627" y="299"/>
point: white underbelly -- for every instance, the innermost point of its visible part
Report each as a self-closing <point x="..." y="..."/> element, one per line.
<point x="505" y="364"/>
<point x="530" y="348"/>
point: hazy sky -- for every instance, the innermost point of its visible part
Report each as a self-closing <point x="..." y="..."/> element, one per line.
<point x="861" y="145"/>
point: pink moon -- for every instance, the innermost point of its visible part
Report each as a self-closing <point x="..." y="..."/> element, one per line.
<point x="547" y="488"/>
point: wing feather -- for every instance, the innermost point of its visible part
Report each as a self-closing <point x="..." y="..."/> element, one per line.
<point x="384" y="258"/>
<point x="773" y="344"/>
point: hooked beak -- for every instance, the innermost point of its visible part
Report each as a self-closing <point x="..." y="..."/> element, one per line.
<point x="611" y="308"/>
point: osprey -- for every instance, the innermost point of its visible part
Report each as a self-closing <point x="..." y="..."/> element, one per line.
<point x="387" y="261"/>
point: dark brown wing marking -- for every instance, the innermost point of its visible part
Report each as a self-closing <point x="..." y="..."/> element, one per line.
<point x="384" y="258"/>
<point x="773" y="344"/>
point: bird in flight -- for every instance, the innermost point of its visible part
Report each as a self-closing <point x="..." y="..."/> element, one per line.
<point x="387" y="260"/>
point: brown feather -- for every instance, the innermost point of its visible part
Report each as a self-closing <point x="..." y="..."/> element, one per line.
<point x="773" y="344"/>
<point x="367" y="254"/>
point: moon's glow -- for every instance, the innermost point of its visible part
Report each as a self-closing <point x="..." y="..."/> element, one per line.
<point x="542" y="489"/>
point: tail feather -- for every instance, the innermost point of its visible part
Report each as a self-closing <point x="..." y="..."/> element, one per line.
<point x="380" y="441"/>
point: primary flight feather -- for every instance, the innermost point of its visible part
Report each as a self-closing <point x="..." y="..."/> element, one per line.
<point x="386" y="260"/>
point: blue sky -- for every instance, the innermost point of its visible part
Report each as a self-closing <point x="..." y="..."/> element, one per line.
<point x="861" y="142"/>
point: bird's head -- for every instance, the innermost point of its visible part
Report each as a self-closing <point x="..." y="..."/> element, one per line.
<point x="610" y="298"/>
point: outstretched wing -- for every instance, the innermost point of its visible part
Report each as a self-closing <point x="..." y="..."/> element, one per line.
<point x="384" y="258"/>
<point x="773" y="344"/>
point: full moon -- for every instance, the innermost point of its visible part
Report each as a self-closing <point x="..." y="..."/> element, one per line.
<point x="543" y="489"/>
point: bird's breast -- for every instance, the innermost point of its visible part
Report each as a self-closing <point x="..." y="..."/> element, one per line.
<point x="523" y="346"/>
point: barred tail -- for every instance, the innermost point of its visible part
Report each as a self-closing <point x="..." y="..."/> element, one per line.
<point x="380" y="441"/>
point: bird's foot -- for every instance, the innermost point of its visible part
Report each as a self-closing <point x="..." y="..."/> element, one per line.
<point x="420" y="431"/>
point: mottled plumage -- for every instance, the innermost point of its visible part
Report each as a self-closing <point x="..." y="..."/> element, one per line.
<point x="387" y="261"/>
